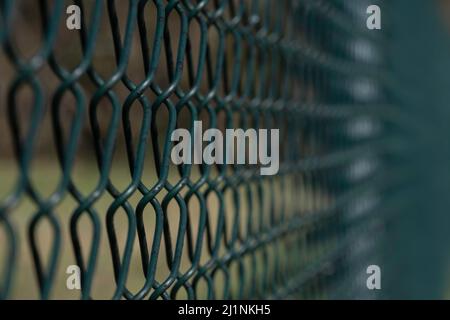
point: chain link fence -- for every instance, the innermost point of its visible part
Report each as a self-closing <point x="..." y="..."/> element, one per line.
<point x="86" y="175"/>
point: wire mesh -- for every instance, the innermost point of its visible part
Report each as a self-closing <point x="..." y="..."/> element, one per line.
<point x="108" y="96"/>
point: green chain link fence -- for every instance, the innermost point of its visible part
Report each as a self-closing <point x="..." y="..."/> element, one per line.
<point x="87" y="179"/>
